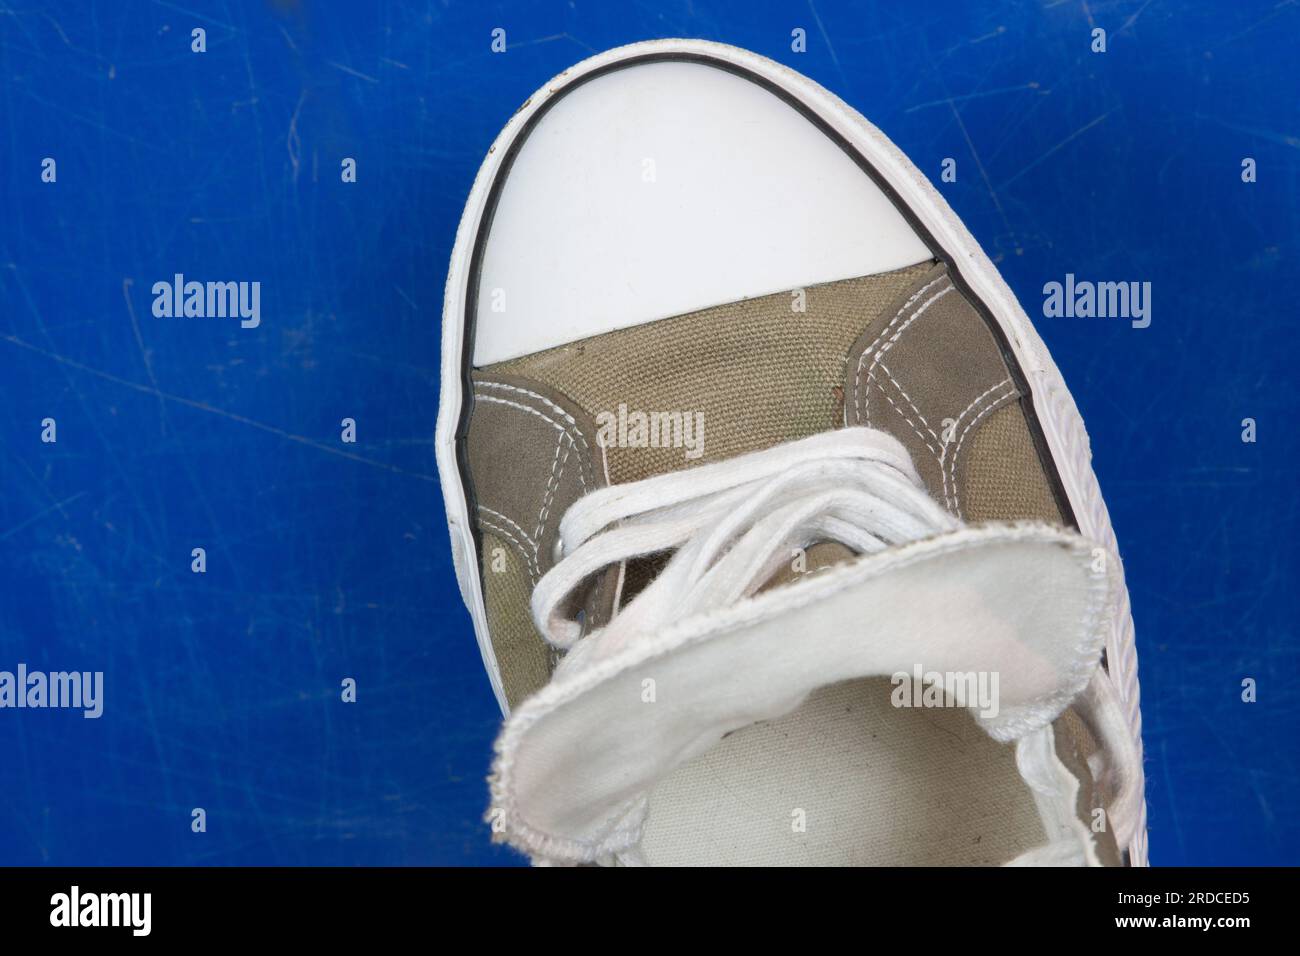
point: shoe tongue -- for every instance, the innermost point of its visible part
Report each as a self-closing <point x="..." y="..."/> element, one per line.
<point x="1017" y="610"/>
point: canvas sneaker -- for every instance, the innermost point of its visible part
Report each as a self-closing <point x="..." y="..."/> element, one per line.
<point x="774" y="517"/>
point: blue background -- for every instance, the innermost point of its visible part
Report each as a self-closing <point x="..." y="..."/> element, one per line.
<point x="328" y="560"/>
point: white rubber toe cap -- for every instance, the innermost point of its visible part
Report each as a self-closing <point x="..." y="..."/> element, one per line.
<point x="666" y="187"/>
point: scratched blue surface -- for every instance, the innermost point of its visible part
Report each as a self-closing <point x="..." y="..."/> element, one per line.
<point x="328" y="560"/>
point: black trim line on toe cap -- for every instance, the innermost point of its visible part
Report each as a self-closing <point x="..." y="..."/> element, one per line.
<point x="936" y="250"/>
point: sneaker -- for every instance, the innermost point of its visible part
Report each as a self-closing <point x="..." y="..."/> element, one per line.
<point x="774" y="517"/>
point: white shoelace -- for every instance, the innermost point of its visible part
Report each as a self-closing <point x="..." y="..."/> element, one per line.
<point x="734" y="524"/>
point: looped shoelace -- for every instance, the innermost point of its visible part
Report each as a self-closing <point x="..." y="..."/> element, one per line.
<point x="734" y="524"/>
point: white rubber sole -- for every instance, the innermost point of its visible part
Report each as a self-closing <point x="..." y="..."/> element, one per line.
<point x="1058" y="416"/>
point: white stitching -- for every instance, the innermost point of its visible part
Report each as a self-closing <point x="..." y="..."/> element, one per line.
<point x="510" y="537"/>
<point x="574" y="429"/>
<point x="485" y="383"/>
<point x="863" y="396"/>
<point x="952" y="462"/>
<point x="532" y="411"/>
<point x="893" y="340"/>
<point x="943" y="458"/>
<point x="510" y="521"/>
<point x="897" y="315"/>
<point x="551" y="487"/>
<point x="564" y="432"/>
<point x="522" y="536"/>
<point x="857" y="378"/>
<point x="976" y="400"/>
<point x="915" y="429"/>
<point x="512" y="540"/>
<point x="885" y="368"/>
<point x="994" y="403"/>
<point x="558" y="464"/>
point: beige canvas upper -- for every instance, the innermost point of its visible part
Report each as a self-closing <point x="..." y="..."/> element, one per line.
<point x="904" y="352"/>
